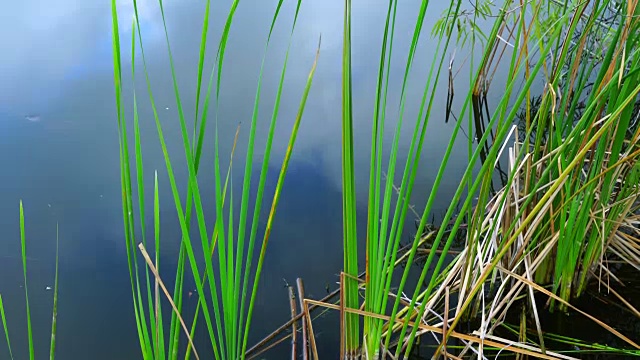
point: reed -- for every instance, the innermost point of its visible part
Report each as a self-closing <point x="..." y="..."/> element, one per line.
<point x="5" y="327"/>
<point x="227" y="290"/>
<point x="558" y="214"/>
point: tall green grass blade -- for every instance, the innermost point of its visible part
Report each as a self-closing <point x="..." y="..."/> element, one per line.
<point x="219" y="224"/>
<point x="181" y="215"/>
<point x="375" y="170"/>
<point x="193" y="184"/>
<point x="380" y="249"/>
<point x="214" y="236"/>
<point x="244" y="202"/>
<point x="225" y="261"/>
<point x="159" y="332"/>
<point x="174" y="326"/>
<point x="261" y="182"/>
<point x="197" y="153"/>
<point x="6" y="329"/>
<point x="141" y="322"/>
<point x="388" y="247"/>
<point x="230" y="306"/>
<point x="141" y="198"/>
<point x="411" y="165"/>
<point x="23" y="246"/>
<point x="130" y="264"/>
<point x="276" y="195"/>
<point x="350" y="237"/>
<point x="203" y="49"/>
<point x="186" y="241"/>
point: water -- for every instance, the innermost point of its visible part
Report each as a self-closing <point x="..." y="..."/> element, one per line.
<point x="59" y="152"/>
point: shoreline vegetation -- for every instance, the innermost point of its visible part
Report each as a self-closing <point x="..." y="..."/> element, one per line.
<point x="547" y="208"/>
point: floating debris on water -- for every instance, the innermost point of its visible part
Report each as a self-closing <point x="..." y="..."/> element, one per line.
<point x="32" y="118"/>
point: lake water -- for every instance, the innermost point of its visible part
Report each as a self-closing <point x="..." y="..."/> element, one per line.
<point x="59" y="151"/>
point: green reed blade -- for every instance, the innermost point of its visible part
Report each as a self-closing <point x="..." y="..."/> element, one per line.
<point x="244" y="201"/>
<point x="4" y="326"/>
<point x="184" y="228"/>
<point x="159" y="332"/>
<point x="228" y="323"/>
<point x="377" y="135"/>
<point x="214" y="238"/>
<point x="175" y="331"/>
<point x="126" y="192"/>
<point x="350" y="237"/>
<point x="276" y="196"/>
<point x="129" y="262"/>
<point x="54" y="320"/>
<point x="230" y="306"/>
<point x="174" y="326"/>
<point x="203" y="49"/>
<point x="241" y="342"/>
<point x="410" y="171"/>
<point x="23" y="246"/>
<point x="223" y="258"/>
<point x="141" y="198"/>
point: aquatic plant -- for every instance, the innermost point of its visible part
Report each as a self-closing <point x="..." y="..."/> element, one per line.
<point x="571" y="195"/>
<point x="23" y="255"/>
<point x="568" y="198"/>
<point x="226" y="293"/>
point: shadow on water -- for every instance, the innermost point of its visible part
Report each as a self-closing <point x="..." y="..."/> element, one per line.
<point x="576" y="335"/>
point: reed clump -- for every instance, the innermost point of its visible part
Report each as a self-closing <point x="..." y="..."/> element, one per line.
<point x="565" y="204"/>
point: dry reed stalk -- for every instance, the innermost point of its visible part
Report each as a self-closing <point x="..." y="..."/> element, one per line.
<point x="305" y="341"/>
<point x="312" y="337"/>
<point x="268" y="347"/>
<point x="445" y="322"/>
<point x="286" y="325"/>
<point x="166" y="292"/>
<point x="431" y="302"/>
<point x="515" y="347"/>
<point x="249" y="353"/>
<point x="294" y="330"/>
<point x="622" y="299"/>
<point x="557" y="298"/>
<point x="516" y="192"/>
